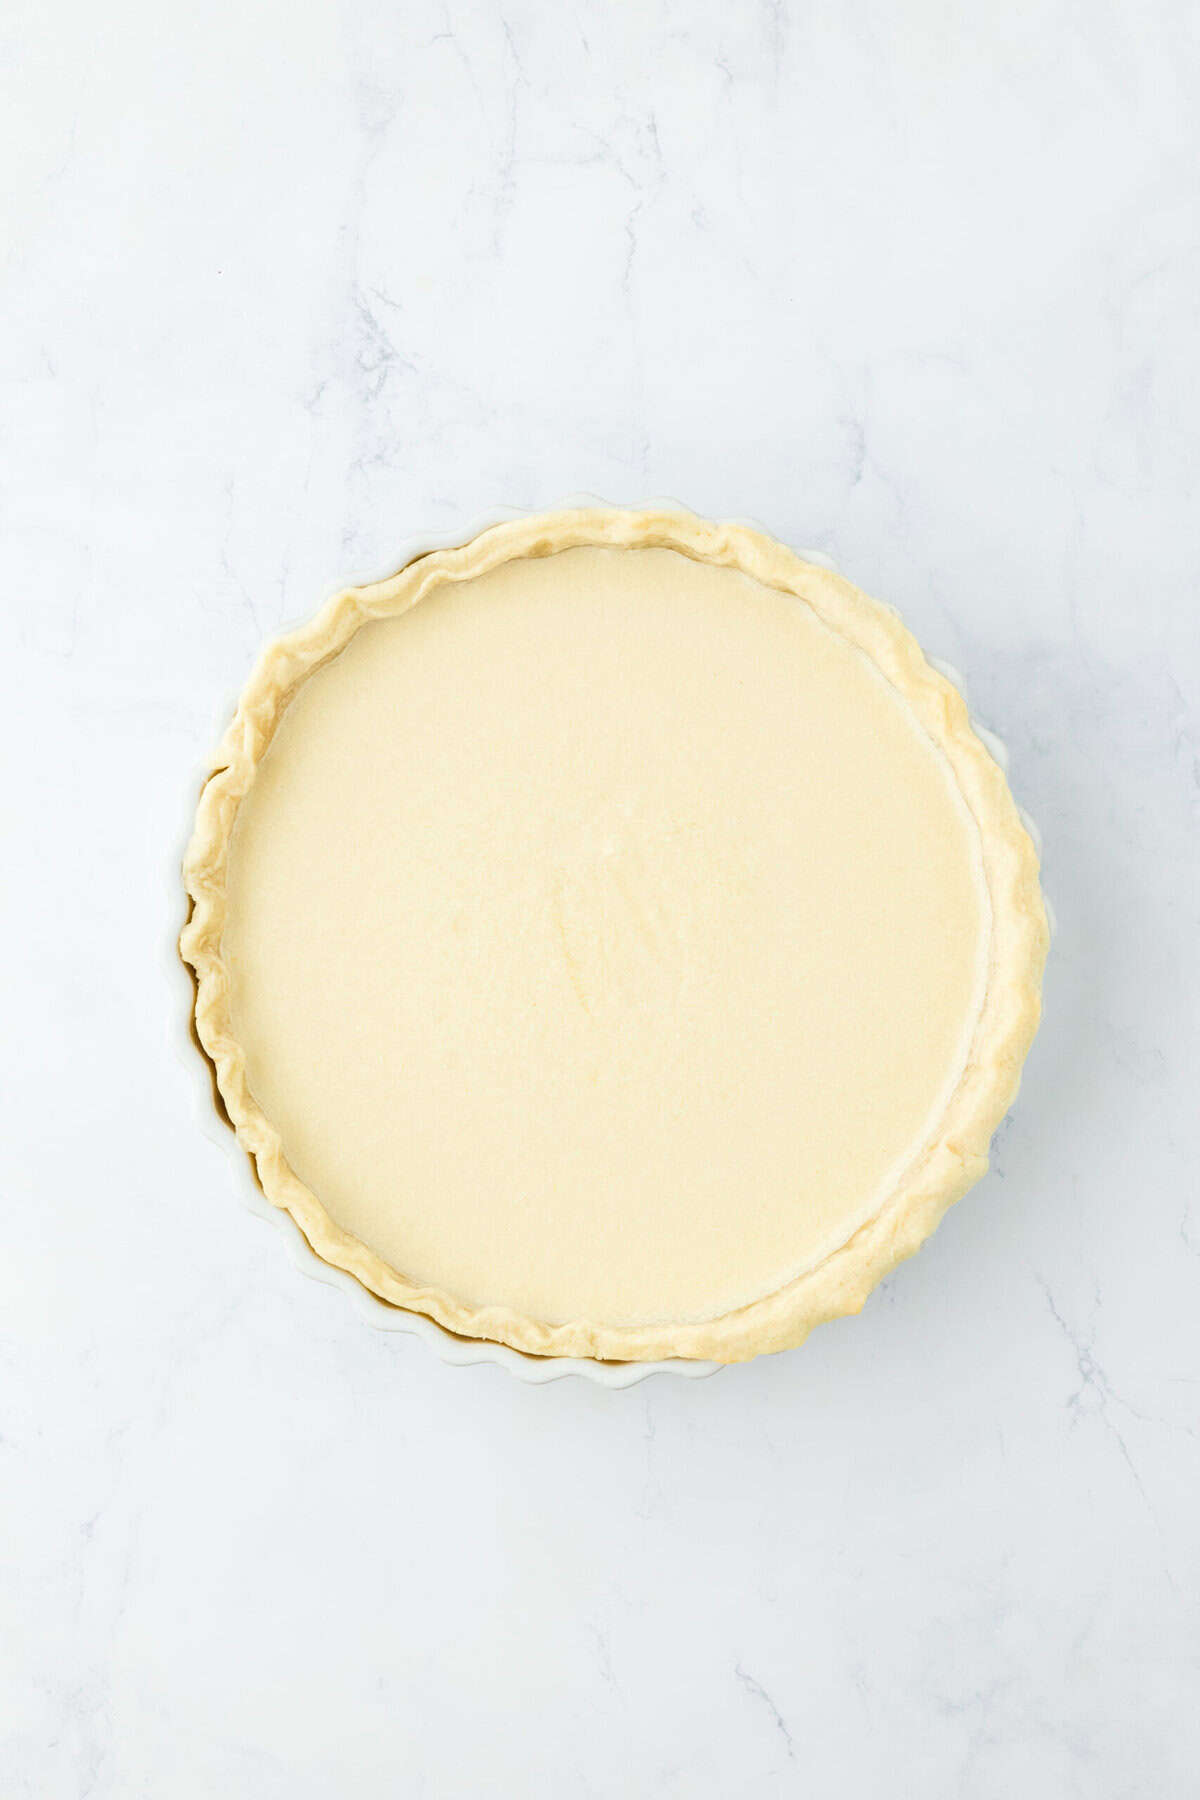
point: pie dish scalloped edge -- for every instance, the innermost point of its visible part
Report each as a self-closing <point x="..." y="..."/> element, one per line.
<point x="947" y="1165"/>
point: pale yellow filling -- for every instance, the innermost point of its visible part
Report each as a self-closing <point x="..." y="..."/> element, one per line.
<point x="605" y="936"/>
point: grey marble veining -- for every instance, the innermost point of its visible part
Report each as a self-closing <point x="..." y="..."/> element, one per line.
<point x="284" y="285"/>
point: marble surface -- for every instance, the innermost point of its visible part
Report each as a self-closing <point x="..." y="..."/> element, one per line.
<point x="283" y="285"/>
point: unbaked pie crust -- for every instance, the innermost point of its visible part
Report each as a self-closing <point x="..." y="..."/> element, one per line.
<point x="611" y="938"/>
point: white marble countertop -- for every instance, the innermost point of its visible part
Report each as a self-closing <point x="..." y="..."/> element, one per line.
<point x="283" y="285"/>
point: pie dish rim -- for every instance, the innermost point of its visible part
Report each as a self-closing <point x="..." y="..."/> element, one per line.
<point x="946" y="1168"/>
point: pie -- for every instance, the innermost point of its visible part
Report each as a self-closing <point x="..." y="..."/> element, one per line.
<point x="611" y="938"/>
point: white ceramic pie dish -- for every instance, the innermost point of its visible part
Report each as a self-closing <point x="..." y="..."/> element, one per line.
<point x="451" y="1348"/>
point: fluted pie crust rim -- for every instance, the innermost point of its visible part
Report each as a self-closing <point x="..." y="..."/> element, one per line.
<point x="953" y="1159"/>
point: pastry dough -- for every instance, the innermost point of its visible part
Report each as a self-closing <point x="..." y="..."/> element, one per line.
<point x="611" y="938"/>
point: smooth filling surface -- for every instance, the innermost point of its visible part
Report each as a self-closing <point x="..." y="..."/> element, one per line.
<point x="605" y="937"/>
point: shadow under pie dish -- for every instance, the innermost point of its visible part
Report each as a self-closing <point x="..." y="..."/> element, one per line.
<point x="611" y="938"/>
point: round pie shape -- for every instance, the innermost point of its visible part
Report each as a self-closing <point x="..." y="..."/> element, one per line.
<point x="611" y="938"/>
